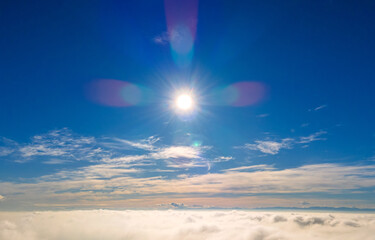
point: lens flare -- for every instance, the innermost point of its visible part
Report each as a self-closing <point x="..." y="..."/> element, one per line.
<point x="116" y="93"/>
<point x="240" y="94"/>
<point x="182" y="20"/>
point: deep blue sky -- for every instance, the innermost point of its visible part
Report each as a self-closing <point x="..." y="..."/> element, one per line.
<point x="314" y="59"/>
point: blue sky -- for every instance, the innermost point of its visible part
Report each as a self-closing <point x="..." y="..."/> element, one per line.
<point x="283" y="104"/>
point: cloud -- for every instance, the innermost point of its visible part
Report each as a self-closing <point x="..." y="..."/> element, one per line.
<point x="4" y="151"/>
<point x="174" y="156"/>
<point x="124" y="172"/>
<point x="176" y="37"/>
<point x="253" y="167"/>
<point x="61" y="144"/>
<point x="122" y="185"/>
<point x="1" y="197"/>
<point x="177" y="152"/>
<point x="173" y="205"/>
<point x="274" y="147"/>
<point x="56" y="143"/>
<point x="126" y="159"/>
<point x="185" y="224"/>
<point x="162" y="39"/>
<point x="222" y="159"/>
<point x="91" y="173"/>
<point x="7" y="146"/>
<point x="181" y="156"/>
<point x="279" y="218"/>
<point x="320" y="107"/>
<point x="313" y="137"/>
<point x="269" y="147"/>
<point x="144" y="144"/>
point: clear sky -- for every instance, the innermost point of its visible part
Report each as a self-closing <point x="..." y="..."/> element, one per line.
<point x="282" y="104"/>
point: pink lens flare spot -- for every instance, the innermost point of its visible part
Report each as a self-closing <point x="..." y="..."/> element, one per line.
<point x="114" y="93"/>
<point x="246" y="93"/>
<point x="240" y="94"/>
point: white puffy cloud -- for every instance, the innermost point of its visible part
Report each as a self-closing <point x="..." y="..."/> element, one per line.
<point x="185" y="224"/>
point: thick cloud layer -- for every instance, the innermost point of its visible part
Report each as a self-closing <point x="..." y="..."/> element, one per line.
<point x="187" y="225"/>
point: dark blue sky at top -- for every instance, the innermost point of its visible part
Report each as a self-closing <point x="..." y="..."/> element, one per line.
<point x="307" y="53"/>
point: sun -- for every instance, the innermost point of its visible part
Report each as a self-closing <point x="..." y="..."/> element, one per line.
<point x="184" y="102"/>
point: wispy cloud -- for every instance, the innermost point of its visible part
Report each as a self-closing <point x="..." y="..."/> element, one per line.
<point x="4" y="151"/>
<point x="319" y="107"/>
<point x="174" y="156"/>
<point x="176" y="36"/>
<point x="181" y="156"/>
<point x="147" y="169"/>
<point x="269" y="147"/>
<point x="162" y="39"/>
<point x="60" y="144"/>
<point x="222" y="159"/>
<point x="274" y="147"/>
<point x="162" y="170"/>
<point x="7" y="146"/>
<point x="63" y="146"/>
<point x="253" y="167"/>
<point x="126" y="159"/>
<point x="312" y="137"/>
<point x="105" y="183"/>
<point x="143" y="144"/>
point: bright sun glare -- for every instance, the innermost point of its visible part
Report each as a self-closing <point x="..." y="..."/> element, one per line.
<point x="184" y="102"/>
